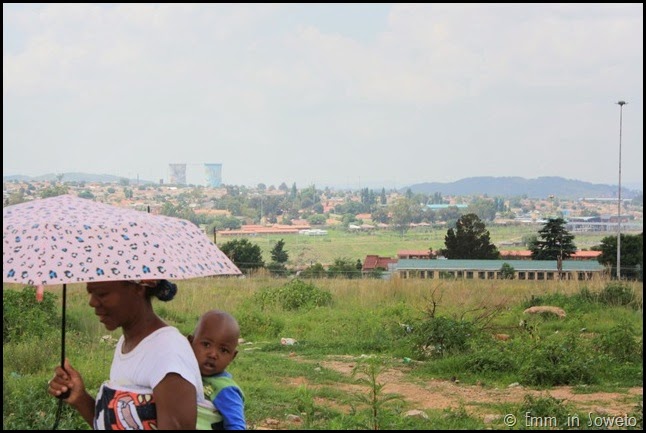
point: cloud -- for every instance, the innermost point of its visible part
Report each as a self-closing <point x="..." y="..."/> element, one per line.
<point x="312" y="93"/>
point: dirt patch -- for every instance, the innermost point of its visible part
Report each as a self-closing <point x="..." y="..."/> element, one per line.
<point x="435" y="394"/>
<point x="445" y="394"/>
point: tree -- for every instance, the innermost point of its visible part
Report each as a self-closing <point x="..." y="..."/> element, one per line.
<point x="469" y="240"/>
<point x="437" y="198"/>
<point x="507" y="271"/>
<point x="278" y="253"/>
<point x="54" y="191"/>
<point x="245" y="255"/>
<point x="180" y="211"/>
<point x="404" y="212"/>
<point x="224" y="222"/>
<point x="317" y="220"/>
<point x="380" y="215"/>
<point x="529" y="241"/>
<point x="382" y="197"/>
<point x="449" y="214"/>
<point x="484" y="208"/>
<point x="15" y="198"/>
<point x="343" y="268"/>
<point x="314" y="271"/>
<point x="632" y="255"/>
<point x="554" y="242"/>
<point x="86" y="193"/>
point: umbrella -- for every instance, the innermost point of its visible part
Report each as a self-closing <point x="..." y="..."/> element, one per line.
<point x="67" y="239"/>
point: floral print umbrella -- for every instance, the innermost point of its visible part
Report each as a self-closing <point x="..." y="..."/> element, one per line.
<point x="67" y="239"/>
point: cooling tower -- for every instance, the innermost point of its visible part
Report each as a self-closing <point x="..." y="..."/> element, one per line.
<point x="213" y="175"/>
<point x="177" y="174"/>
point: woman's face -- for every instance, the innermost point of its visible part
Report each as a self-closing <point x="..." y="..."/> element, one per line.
<point x="114" y="302"/>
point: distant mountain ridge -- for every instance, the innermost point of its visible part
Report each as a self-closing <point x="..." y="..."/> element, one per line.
<point x="72" y="177"/>
<point x="541" y="187"/>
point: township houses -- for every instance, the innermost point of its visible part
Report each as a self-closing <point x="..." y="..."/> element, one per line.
<point x="420" y="264"/>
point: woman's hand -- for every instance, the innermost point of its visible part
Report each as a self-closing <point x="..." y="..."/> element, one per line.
<point x="65" y="380"/>
<point x="68" y="379"/>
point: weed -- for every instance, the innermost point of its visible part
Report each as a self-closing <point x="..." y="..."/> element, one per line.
<point x="638" y="414"/>
<point x="305" y="405"/>
<point x="376" y="400"/>
<point x="543" y="412"/>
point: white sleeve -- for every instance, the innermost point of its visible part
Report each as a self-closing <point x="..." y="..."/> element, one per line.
<point x="173" y="354"/>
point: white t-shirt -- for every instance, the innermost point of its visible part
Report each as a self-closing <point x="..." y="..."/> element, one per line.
<point x="125" y="401"/>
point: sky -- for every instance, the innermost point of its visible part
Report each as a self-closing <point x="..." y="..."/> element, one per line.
<point x="361" y="95"/>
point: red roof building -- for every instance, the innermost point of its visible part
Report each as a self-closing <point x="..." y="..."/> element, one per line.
<point x="372" y="262"/>
<point x="415" y="254"/>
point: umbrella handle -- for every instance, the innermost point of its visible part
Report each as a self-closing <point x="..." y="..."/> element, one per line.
<point x="66" y="394"/>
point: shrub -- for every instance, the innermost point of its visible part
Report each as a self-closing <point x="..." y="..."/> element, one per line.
<point x="491" y="358"/>
<point x="254" y="323"/>
<point x="586" y="295"/>
<point x="544" y="412"/>
<point x="23" y="317"/>
<point x="621" y="343"/>
<point x="616" y="294"/>
<point x="315" y="271"/>
<point x="556" y="299"/>
<point x="558" y="361"/>
<point x="277" y="269"/>
<point x="440" y="336"/>
<point x="294" y="295"/>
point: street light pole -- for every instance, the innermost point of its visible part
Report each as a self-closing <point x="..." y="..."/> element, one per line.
<point x="621" y="109"/>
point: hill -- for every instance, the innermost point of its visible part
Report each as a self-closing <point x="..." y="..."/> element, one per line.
<point x="72" y="177"/>
<point x="541" y="187"/>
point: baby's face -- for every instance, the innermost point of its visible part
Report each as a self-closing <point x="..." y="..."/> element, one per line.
<point x="215" y="347"/>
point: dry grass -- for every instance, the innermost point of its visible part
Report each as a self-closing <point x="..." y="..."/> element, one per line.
<point x="458" y="295"/>
<point x="198" y="295"/>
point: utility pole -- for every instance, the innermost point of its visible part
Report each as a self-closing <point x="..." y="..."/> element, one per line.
<point x="621" y="110"/>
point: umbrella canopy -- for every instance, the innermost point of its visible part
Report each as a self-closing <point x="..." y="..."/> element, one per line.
<point x="67" y="239"/>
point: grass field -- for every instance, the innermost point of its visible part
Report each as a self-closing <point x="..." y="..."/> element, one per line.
<point x="305" y="250"/>
<point x="374" y="352"/>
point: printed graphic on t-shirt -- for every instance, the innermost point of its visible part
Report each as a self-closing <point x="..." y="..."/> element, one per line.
<point x="124" y="410"/>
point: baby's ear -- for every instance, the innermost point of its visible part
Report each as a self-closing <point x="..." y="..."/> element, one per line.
<point x="190" y="338"/>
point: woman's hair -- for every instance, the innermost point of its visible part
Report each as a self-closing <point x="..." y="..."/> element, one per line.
<point x="163" y="290"/>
